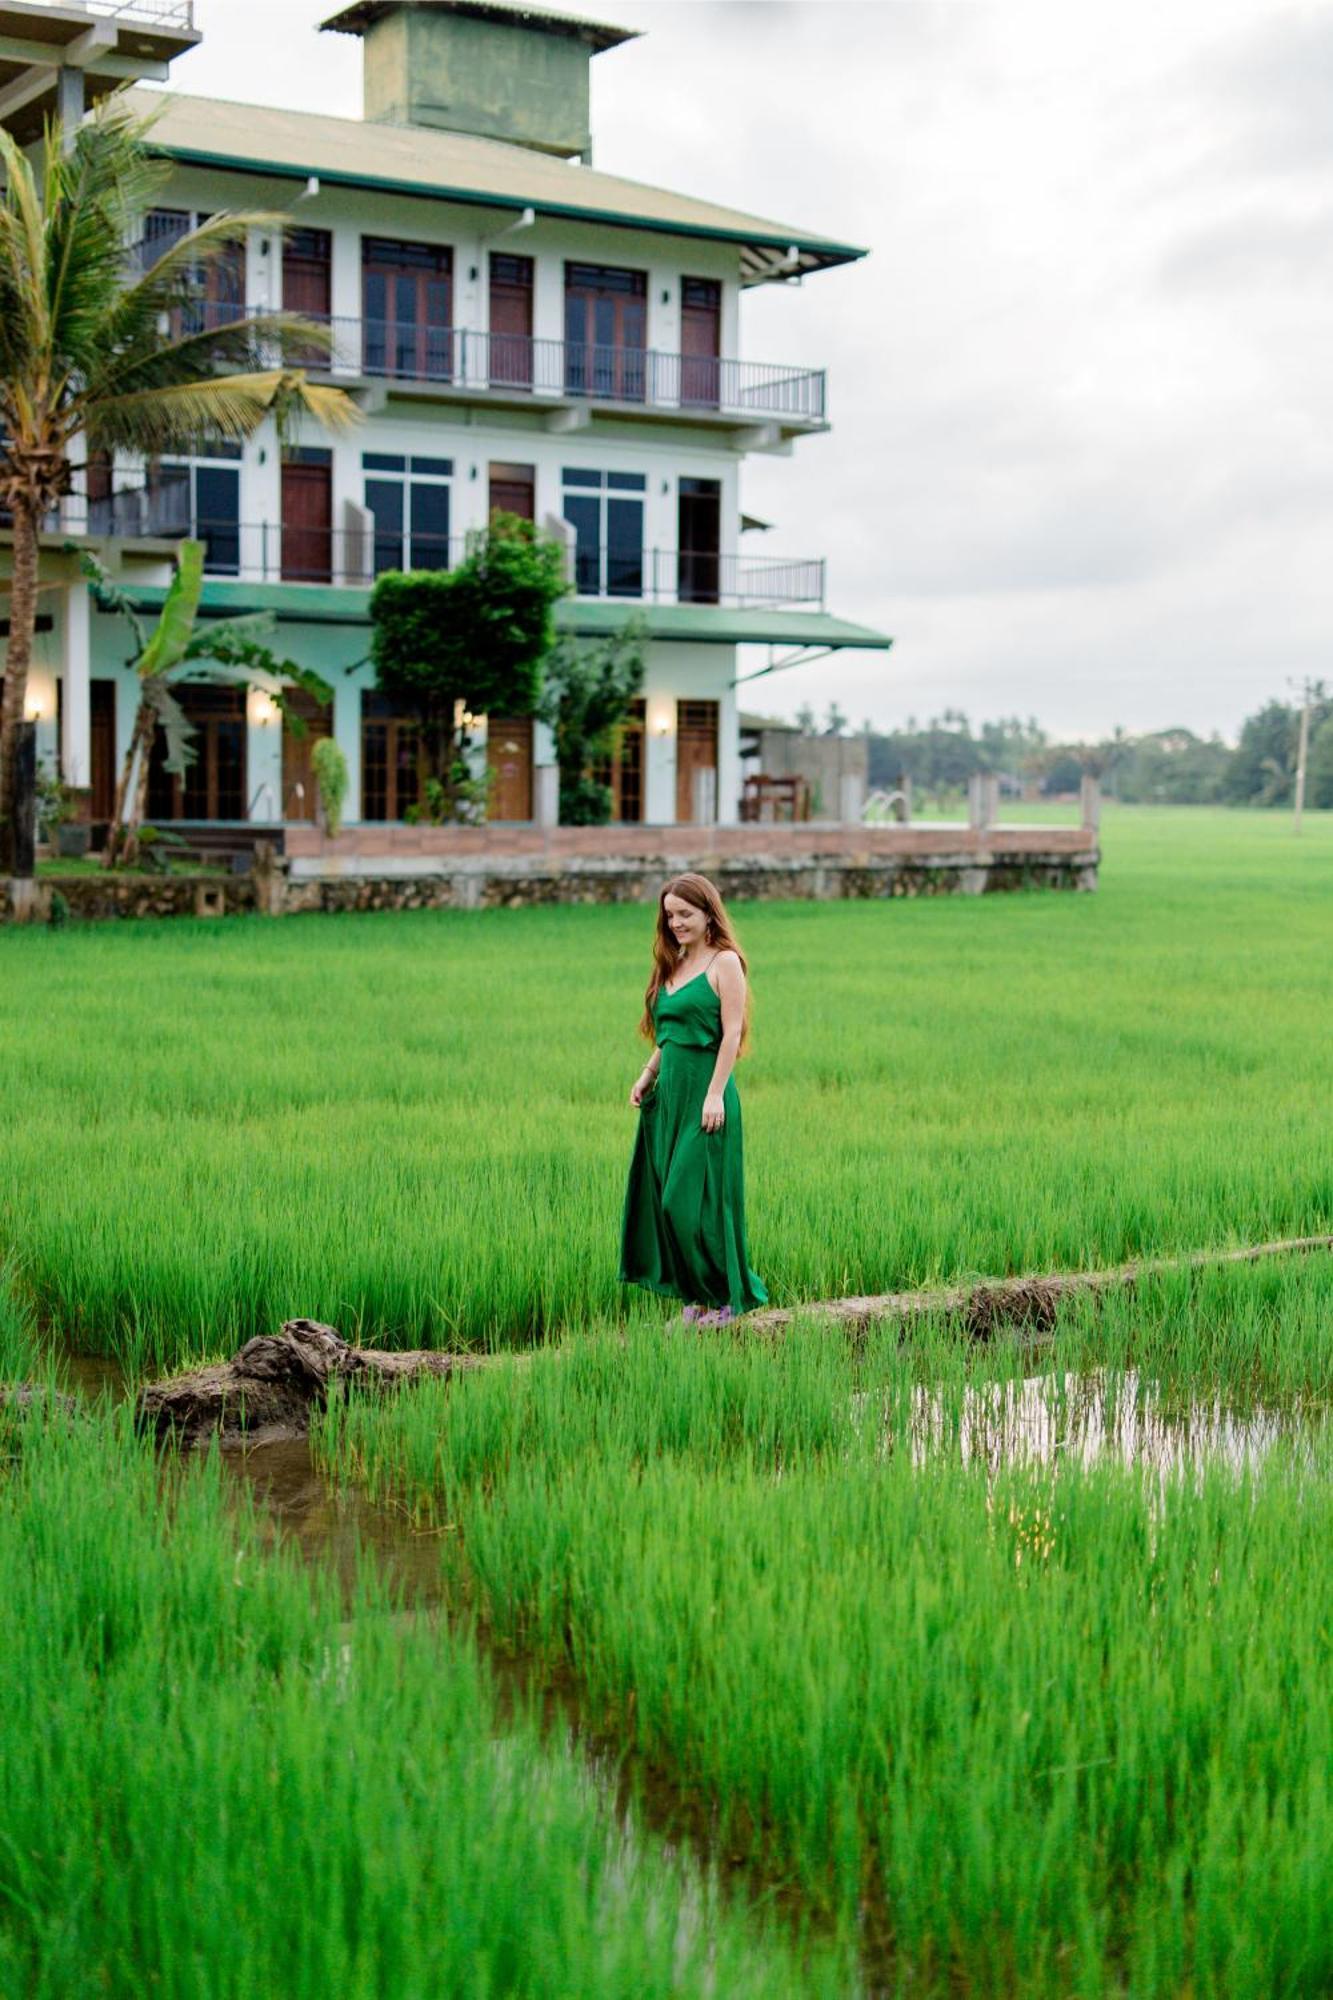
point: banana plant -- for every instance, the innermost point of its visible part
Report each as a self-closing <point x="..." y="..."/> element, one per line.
<point x="225" y="650"/>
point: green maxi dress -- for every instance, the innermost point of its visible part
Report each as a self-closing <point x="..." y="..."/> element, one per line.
<point x="684" y="1225"/>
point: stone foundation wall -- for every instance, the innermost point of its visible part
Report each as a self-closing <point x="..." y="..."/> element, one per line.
<point x="518" y="881"/>
<point x="103" y="898"/>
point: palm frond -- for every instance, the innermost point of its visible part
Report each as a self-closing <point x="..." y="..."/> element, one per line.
<point x="245" y="344"/>
<point x="24" y="332"/>
<point x="227" y="408"/>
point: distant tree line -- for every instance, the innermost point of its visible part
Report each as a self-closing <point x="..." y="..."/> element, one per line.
<point x="1163" y="767"/>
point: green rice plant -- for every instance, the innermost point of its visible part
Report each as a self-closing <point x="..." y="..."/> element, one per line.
<point x="415" y="1126"/>
<point x="220" y="1786"/>
<point x="1039" y="1728"/>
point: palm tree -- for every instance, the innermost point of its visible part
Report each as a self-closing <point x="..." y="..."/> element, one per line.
<point x="98" y="353"/>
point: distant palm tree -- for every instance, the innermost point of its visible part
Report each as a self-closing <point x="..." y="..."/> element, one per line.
<point x="101" y="354"/>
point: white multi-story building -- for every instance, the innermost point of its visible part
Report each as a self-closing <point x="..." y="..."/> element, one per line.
<point x="521" y="332"/>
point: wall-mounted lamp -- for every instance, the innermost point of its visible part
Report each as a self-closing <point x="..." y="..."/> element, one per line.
<point x="263" y="454"/>
<point x="666" y="485"/>
<point x="263" y="248"/>
<point x="474" y="273"/>
<point x="261" y="709"/>
<point x="661" y="716"/>
<point x="39" y="704"/>
<point x="666" y="297"/>
<point x="473" y="473"/>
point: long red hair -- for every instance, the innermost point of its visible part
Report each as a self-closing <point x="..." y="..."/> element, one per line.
<point x="698" y="891"/>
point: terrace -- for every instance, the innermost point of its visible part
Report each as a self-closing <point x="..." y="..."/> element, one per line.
<point x="515" y="370"/>
<point x="57" y="60"/>
<point x="301" y="553"/>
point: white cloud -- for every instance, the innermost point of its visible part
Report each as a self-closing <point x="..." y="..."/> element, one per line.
<point x="1083" y="414"/>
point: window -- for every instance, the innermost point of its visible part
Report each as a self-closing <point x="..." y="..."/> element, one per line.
<point x="219" y="286"/>
<point x="388" y="758"/>
<point x="199" y="497"/>
<point x="606" y="332"/>
<point x="605" y="510"/>
<point x="406" y="303"/>
<point x="409" y="498"/>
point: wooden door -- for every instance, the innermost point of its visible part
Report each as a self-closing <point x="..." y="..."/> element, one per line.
<point x="307" y="518"/>
<point x="307" y="283"/>
<point x="407" y="299"/>
<point x="700" y="341"/>
<point x="102" y="710"/>
<point x="509" y="755"/>
<point x="606" y="332"/>
<point x="389" y="782"/>
<point x="513" y="490"/>
<point x="511" y="321"/>
<point x="696" y="750"/>
<point x="622" y="771"/>
<point x="299" y="793"/>
<point x="213" y="788"/>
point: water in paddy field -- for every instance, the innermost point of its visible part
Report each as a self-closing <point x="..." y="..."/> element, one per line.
<point x="1096" y="1418"/>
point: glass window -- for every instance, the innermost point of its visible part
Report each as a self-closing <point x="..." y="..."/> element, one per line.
<point x="384" y="498"/>
<point x="217" y="513"/>
<point x="430" y="526"/>
<point x="411" y="514"/>
<point x="608" y="530"/>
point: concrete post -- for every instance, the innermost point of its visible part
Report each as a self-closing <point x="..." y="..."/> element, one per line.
<point x="976" y="803"/>
<point x="76" y="695"/>
<point x="1090" y="802"/>
<point x="546" y="794"/>
<point x="851" y="797"/>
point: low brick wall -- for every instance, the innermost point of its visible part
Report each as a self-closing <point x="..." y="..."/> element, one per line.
<point x="600" y="865"/>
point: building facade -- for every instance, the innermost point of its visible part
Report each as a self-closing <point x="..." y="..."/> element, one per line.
<point x="521" y="332"/>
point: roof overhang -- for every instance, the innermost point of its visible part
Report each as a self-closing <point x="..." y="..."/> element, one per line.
<point x="267" y="144"/>
<point x="690" y="624"/>
<point x="103" y="42"/>
<point x="598" y="35"/>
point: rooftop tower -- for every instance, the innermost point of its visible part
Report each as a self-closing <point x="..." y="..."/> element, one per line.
<point x="520" y="74"/>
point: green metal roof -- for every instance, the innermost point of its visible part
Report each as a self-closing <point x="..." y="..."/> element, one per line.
<point x="455" y="166"/>
<point x="693" y="624"/>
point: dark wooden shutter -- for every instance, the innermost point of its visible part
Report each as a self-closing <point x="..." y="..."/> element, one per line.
<point x="700" y="341"/>
<point x="511" y="321"/>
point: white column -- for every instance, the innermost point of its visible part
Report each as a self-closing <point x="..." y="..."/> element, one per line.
<point x="545" y="776"/>
<point x="347" y="734"/>
<point x="728" y="757"/>
<point x="76" y="699"/>
<point x="263" y="748"/>
<point x="659" y="761"/>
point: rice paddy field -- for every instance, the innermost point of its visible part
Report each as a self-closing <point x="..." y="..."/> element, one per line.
<point x="782" y="1665"/>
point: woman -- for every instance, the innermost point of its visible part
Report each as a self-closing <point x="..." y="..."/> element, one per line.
<point x="684" y="1226"/>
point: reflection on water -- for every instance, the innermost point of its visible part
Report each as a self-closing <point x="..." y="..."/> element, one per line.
<point x="1090" y="1419"/>
<point x="337" y="1527"/>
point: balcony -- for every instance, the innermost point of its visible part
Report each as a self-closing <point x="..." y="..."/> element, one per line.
<point x="518" y="369"/>
<point x="291" y="552"/>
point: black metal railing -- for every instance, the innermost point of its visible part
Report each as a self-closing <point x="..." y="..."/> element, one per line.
<point x="301" y="552"/>
<point x="511" y="363"/>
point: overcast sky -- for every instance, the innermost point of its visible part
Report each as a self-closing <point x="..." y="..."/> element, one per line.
<point x="1082" y="457"/>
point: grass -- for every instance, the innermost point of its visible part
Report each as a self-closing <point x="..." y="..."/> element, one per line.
<point x="218" y="1787"/>
<point x="1000" y="1726"/>
<point x="1041" y="1729"/>
<point x="414" y="1125"/>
